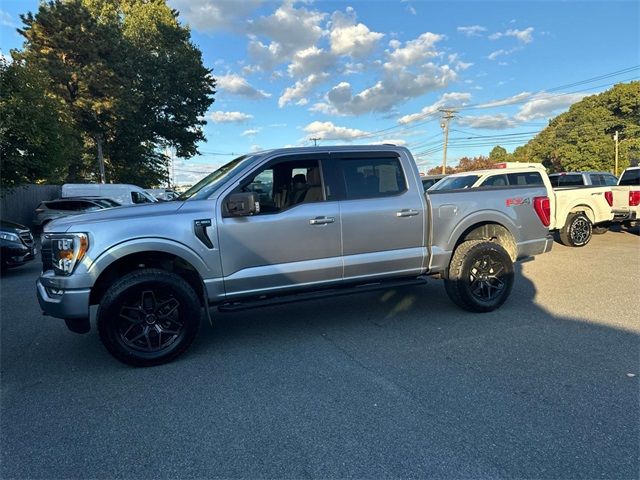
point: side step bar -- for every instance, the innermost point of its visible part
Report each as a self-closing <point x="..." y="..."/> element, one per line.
<point x="318" y="294"/>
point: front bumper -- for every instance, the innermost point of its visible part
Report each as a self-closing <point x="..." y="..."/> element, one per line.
<point x="59" y="303"/>
<point x="17" y="254"/>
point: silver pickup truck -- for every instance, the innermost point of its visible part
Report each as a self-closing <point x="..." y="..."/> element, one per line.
<point x="279" y="226"/>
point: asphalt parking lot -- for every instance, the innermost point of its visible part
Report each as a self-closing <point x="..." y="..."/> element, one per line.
<point x="386" y="384"/>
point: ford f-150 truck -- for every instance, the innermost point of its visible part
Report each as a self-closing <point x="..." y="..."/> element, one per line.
<point x="278" y="226"/>
<point x="576" y="212"/>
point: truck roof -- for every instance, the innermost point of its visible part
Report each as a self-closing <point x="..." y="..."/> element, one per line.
<point x="332" y="148"/>
<point x="503" y="167"/>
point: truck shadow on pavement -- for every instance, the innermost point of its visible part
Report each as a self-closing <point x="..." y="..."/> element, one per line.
<point x="397" y="383"/>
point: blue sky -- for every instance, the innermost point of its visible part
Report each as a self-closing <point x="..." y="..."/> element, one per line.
<point x="377" y="71"/>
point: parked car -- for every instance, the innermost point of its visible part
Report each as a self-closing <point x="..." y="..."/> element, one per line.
<point x="576" y="212"/>
<point x="63" y="207"/>
<point x="16" y="244"/>
<point x="122" y="193"/>
<point x="429" y="181"/>
<point x="162" y="194"/>
<point x="334" y="221"/>
<point x="577" y="179"/>
<point x="626" y="197"/>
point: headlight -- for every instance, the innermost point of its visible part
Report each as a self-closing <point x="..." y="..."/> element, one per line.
<point x="67" y="250"/>
<point x="11" y="237"/>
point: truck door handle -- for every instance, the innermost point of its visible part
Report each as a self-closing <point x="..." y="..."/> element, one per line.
<point x="321" y="220"/>
<point x="407" y="212"/>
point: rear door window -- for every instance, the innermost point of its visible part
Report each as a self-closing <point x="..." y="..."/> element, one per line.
<point x="570" y="181"/>
<point x="495" y="181"/>
<point x="372" y="178"/>
<point x="525" y="178"/>
<point x="630" y="177"/>
<point x="610" y="180"/>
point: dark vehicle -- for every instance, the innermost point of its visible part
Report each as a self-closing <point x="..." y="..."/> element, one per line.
<point x="17" y="245"/>
<point x="430" y="180"/>
<point x="63" y="207"/>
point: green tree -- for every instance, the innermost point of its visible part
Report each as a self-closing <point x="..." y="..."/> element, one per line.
<point x="499" y="154"/>
<point x="582" y="138"/>
<point x="131" y="78"/>
<point x="37" y="136"/>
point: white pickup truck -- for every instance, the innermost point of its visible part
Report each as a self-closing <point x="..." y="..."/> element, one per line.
<point x="576" y="212"/>
<point x="626" y="197"/>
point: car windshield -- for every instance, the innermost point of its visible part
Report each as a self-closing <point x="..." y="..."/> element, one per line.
<point x="209" y="184"/>
<point x="455" y="183"/>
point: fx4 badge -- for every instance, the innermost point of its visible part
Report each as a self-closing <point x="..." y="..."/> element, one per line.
<point x="512" y="202"/>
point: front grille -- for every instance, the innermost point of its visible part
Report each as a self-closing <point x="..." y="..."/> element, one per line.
<point x="26" y="237"/>
<point x="45" y="251"/>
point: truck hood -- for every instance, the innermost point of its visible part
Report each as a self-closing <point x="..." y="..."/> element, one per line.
<point x="114" y="214"/>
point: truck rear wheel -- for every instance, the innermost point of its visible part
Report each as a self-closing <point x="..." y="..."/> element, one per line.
<point x="480" y="276"/>
<point x="148" y="317"/>
<point x="577" y="230"/>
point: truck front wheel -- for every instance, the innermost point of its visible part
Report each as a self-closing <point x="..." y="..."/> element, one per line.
<point x="577" y="231"/>
<point x="480" y="276"/>
<point x="148" y="317"/>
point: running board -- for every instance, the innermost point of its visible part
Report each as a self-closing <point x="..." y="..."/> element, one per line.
<point x="318" y="294"/>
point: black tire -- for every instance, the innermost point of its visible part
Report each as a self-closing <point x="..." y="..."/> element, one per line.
<point x="480" y="276"/>
<point x="145" y="307"/>
<point x="577" y="231"/>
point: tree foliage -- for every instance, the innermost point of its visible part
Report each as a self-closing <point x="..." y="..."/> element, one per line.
<point x="130" y="78"/>
<point x="467" y="164"/>
<point x="582" y="138"/>
<point x="36" y="137"/>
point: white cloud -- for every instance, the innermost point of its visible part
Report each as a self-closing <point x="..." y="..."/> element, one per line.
<point x="405" y="74"/>
<point x="489" y="122"/>
<point x="501" y="52"/>
<point x="301" y="89"/>
<point x="472" y="30"/>
<point x="7" y="20"/>
<point x="211" y="15"/>
<point x="414" y="51"/>
<point x="506" y="101"/>
<point x="288" y="29"/>
<point x="188" y="172"/>
<point x="309" y="61"/>
<point x="450" y="99"/>
<point x="327" y="130"/>
<point x="229" y="117"/>
<point x="524" y="36"/>
<point x="395" y="87"/>
<point x="350" y="38"/>
<point x="237" y="85"/>
<point x="395" y="141"/>
<point x="251" y="132"/>
<point x="543" y="105"/>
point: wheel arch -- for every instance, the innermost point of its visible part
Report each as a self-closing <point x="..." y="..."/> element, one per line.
<point x="129" y="260"/>
<point x="494" y="226"/>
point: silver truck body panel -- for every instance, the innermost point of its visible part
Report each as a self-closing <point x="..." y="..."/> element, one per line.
<point x="407" y="234"/>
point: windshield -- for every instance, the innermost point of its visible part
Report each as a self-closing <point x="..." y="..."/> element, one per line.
<point x="454" y="183"/>
<point x="211" y="182"/>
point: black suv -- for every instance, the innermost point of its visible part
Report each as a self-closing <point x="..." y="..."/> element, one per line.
<point x="16" y="244"/>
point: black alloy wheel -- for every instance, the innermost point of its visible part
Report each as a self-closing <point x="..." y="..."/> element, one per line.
<point x="148" y="317"/>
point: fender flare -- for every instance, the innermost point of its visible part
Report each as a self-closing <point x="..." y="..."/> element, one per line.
<point x="141" y="245"/>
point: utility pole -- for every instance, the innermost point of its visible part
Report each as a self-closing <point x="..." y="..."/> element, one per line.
<point x="315" y="140"/>
<point x="446" y="118"/>
<point x="615" y="137"/>
<point x="99" y="139"/>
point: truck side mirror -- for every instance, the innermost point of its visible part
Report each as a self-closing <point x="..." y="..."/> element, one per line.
<point x="243" y="204"/>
